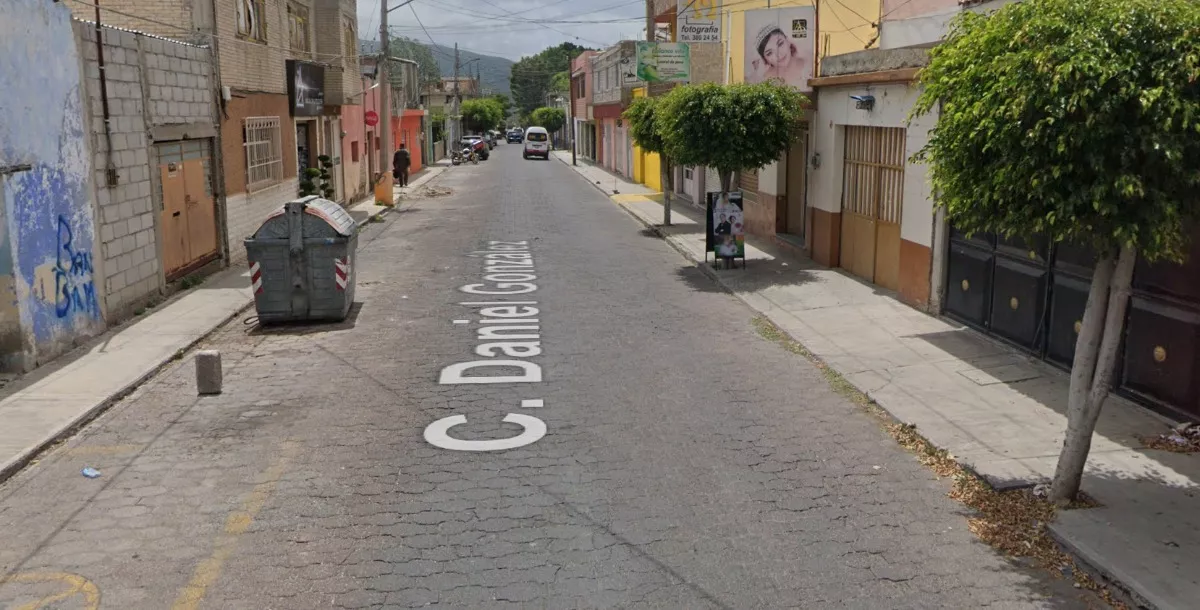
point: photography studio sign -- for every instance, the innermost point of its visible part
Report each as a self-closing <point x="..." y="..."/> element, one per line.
<point x="306" y="88"/>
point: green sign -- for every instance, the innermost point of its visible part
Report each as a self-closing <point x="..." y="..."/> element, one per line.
<point x="664" y="62"/>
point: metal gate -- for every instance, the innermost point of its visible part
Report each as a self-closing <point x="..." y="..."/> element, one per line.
<point x="1033" y="295"/>
<point x="189" y="214"/>
<point x="872" y="203"/>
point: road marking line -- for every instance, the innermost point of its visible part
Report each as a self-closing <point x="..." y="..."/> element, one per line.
<point x="77" y="585"/>
<point x="236" y="524"/>
<point x="532" y="403"/>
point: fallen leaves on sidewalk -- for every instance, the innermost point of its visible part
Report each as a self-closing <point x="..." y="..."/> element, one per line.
<point x="1014" y="522"/>
<point x="1184" y="438"/>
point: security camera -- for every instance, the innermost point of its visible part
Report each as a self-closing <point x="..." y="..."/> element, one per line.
<point x="863" y="102"/>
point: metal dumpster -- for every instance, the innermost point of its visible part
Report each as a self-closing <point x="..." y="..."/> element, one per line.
<point x="302" y="262"/>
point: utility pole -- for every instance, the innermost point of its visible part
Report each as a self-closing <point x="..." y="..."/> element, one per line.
<point x="571" y="110"/>
<point x="454" y="120"/>
<point x="385" y="90"/>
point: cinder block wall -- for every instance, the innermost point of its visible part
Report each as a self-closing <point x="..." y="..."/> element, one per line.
<point x="151" y="82"/>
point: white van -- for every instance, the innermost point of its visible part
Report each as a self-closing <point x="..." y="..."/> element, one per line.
<point x="537" y="143"/>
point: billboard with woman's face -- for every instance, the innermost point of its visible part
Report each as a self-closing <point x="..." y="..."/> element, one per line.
<point x="780" y="45"/>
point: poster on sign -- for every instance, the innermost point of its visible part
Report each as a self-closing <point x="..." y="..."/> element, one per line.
<point x="780" y="45"/>
<point x="726" y="235"/>
<point x="699" y="20"/>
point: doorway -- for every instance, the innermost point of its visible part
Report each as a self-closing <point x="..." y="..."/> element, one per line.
<point x="872" y="202"/>
<point x="331" y="147"/>
<point x="304" y="157"/>
<point x="189" y="214"/>
<point x="795" y="208"/>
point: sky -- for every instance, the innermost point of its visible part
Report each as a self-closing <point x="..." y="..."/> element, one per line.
<point x="509" y="28"/>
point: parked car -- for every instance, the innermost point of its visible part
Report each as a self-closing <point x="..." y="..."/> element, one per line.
<point x="515" y="135"/>
<point x="479" y="144"/>
<point x="537" y="143"/>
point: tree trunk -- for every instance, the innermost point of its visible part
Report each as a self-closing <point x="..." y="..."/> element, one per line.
<point x="726" y="184"/>
<point x="1092" y="371"/>
<point x="668" y="181"/>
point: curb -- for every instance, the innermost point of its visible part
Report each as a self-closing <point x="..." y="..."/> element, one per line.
<point x="30" y="454"/>
<point x="33" y="452"/>
<point x="1084" y="558"/>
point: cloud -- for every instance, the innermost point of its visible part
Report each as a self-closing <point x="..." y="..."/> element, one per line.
<point x="516" y="33"/>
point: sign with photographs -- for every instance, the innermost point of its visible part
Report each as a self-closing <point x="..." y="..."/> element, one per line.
<point x="781" y="45"/>
<point x="726" y="234"/>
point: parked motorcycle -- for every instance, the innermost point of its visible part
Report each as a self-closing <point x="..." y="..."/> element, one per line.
<point x="456" y="157"/>
<point x="470" y="154"/>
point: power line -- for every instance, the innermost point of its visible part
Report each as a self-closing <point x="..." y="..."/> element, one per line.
<point x="190" y="32"/>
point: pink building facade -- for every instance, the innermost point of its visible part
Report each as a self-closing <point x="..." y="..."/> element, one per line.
<point x="584" y="123"/>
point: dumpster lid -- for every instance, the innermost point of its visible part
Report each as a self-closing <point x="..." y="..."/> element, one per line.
<point x="333" y="214"/>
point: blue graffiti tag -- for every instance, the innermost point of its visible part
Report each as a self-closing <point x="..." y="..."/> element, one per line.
<point x="73" y="286"/>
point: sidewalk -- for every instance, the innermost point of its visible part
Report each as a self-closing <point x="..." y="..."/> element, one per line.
<point x="49" y="409"/>
<point x="999" y="412"/>
<point x="364" y="210"/>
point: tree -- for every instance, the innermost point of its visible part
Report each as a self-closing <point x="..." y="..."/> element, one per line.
<point x="505" y="104"/>
<point x="730" y="128"/>
<point x="530" y="78"/>
<point x="482" y="114"/>
<point x="642" y="116"/>
<point x="407" y="48"/>
<point x="550" y="118"/>
<point x="438" y="123"/>
<point x="1077" y="120"/>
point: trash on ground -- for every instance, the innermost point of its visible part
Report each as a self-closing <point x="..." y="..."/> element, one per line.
<point x="90" y="472"/>
<point x="1183" y="438"/>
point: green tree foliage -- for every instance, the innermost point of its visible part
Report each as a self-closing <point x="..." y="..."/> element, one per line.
<point x="729" y="127"/>
<point x="531" y="77"/>
<point x="505" y="103"/>
<point x="438" y="123"/>
<point x="642" y="125"/>
<point x="1075" y="119"/>
<point x="407" y="48"/>
<point x="552" y="119"/>
<point x="482" y="114"/>
<point x="642" y="116"/>
<point x="1078" y="120"/>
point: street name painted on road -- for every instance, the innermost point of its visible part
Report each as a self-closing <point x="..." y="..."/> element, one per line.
<point x="507" y="330"/>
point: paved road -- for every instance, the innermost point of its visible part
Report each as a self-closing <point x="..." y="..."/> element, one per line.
<point x="686" y="462"/>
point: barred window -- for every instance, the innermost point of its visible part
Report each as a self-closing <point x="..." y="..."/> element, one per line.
<point x="298" y="38"/>
<point x="351" y="41"/>
<point x="264" y="152"/>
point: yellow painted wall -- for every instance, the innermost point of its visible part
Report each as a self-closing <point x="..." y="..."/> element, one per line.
<point x="646" y="168"/>
<point x="843" y="26"/>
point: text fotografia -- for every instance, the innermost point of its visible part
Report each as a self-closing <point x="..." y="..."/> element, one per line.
<point x="508" y="332"/>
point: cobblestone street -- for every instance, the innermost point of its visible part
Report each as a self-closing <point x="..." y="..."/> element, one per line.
<point x="687" y="462"/>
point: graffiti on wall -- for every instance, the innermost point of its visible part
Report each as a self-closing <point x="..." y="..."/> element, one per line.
<point x="74" y="290"/>
<point x="49" y="231"/>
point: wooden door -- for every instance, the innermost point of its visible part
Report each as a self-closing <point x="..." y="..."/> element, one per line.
<point x="189" y="215"/>
<point x="872" y="203"/>
<point x="174" y="209"/>
<point x="796" y="210"/>
<point x="201" y="208"/>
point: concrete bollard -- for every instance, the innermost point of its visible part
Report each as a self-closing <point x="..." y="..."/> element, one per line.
<point x="208" y="372"/>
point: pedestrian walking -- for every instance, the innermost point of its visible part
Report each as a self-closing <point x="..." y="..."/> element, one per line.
<point x="400" y="164"/>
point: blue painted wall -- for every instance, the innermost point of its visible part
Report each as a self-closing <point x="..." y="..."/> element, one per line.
<point x="47" y="252"/>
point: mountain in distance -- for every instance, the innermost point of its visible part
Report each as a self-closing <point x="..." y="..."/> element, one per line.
<point x="493" y="71"/>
